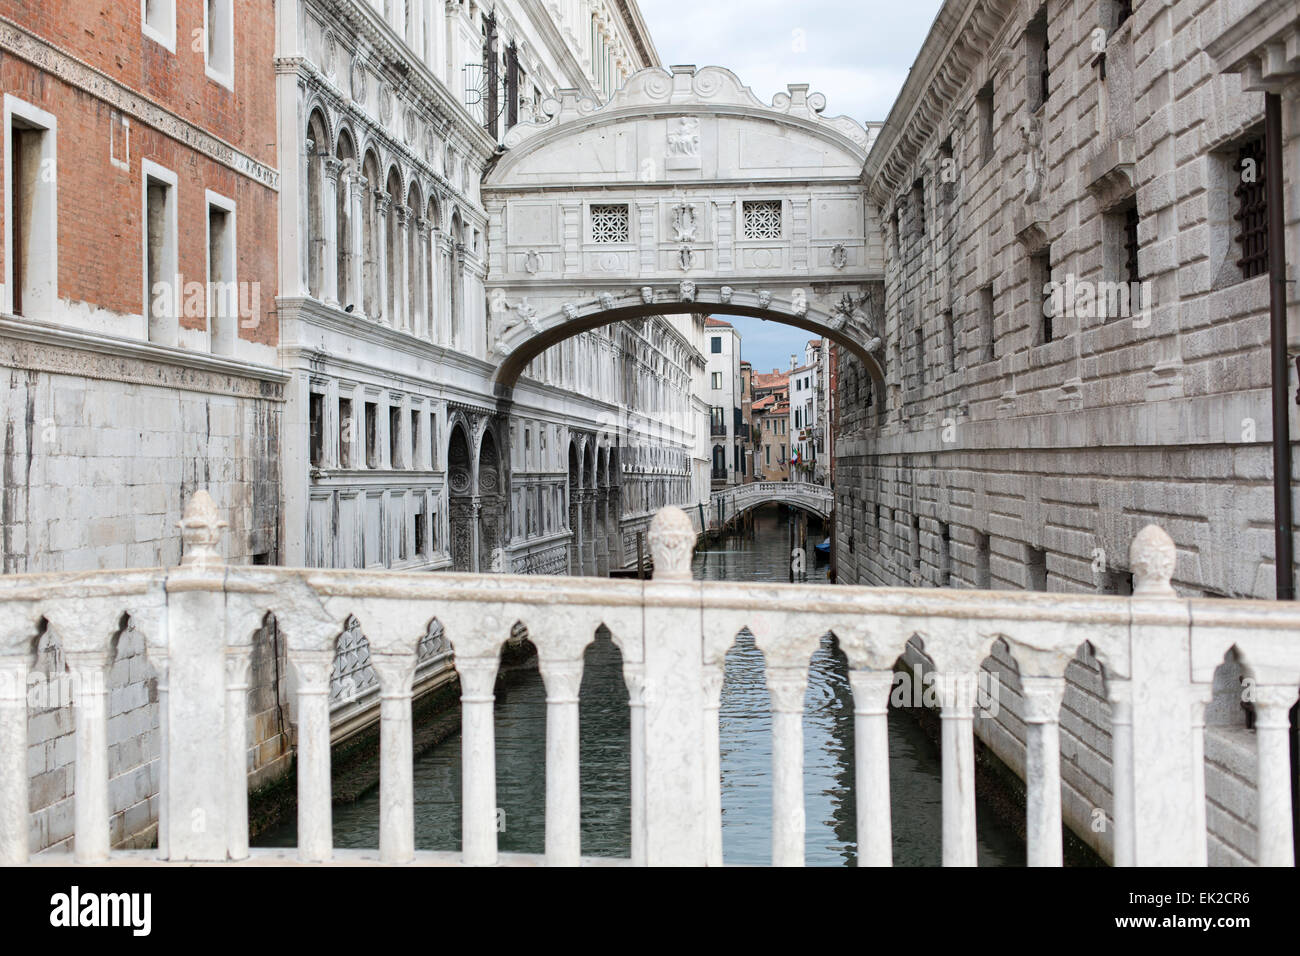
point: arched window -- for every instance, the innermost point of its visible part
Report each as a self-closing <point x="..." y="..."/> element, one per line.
<point x="317" y="148"/>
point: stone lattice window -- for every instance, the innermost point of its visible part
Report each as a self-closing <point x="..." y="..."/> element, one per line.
<point x="609" y="223"/>
<point x="763" y="219"/>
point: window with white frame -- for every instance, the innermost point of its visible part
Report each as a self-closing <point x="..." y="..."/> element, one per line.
<point x="219" y="46"/>
<point x="609" y="223"/>
<point x="763" y="219"/>
<point x="158" y="22"/>
<point x="31" y="209"/>
<point x="160" y="292"/>
<point x="223" y="290"/>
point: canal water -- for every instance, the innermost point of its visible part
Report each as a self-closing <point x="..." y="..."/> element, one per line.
<point x="745" y="731"/>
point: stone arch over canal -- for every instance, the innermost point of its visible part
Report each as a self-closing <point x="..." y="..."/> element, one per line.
<point x="685" y="193"/>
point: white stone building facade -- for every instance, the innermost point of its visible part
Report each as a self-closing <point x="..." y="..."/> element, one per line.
<point x="1090" y="150"/>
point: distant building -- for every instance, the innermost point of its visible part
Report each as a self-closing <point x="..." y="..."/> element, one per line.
<point x="722" y="364"/>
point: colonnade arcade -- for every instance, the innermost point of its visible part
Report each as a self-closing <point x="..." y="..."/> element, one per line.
<point x="380" y="244"/>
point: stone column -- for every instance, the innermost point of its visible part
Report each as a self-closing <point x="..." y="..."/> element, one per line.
<point x="1202" y="694"/>
<point x="634" y="677"/>
<point x="312" y="670"/>
<point x="713" y="675"/>
<point x="476" y="536"/>
<point x="88" y="670"/>
<point x="871" y="764"/>
<point x="382" y="203"/>
<point x="356" y="198"/>
<point x="329" y="216"/>
<point x="14" y="799"/>
<point x="787" y="686"/>
<point x="304" y="199"/>
<point x="563" y="679"/>
<point x="478" y="759"/>
<point x="401" y="270"/>
<point x="1042" y="700"/>
<point x="957" y="716"/>
<point x="239" y="659"/>
<point x="420" y="256"/>
<point x="1119" y="693"/>
<point x="676" y="806"/>
<point x="1273" y="774"/>
<point x="396" y="673"/>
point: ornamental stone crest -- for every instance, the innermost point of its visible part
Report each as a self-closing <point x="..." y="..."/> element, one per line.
<point x="799" y="302"/>
<point x="358" y="80"/>
<point x="685" y="224"/>
<point x="687" y="291"/>
<point x="328" y="54"/>
<point x="532" y="262"/>
<point x="201" y="529"/>
<point x="686" y="258"/>
<point x="684" y="137"/>
<point x="839" y="256"/>
<point x="1152" y="556"/>
<point x="385" y="103"/>
<point x="672" y="542"/>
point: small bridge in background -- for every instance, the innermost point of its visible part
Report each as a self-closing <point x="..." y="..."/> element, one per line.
<point x="730" y="503"/>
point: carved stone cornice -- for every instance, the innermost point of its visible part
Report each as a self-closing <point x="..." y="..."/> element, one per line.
<point x="1263" y="46"/>
<point x="963" y="34"/>
<point x="43" y="347"/>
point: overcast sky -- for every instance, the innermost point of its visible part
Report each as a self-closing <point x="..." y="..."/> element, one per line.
<point x="856" y="52"/>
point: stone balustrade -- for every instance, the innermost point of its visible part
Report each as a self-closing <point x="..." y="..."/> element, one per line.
<point x="1158" y="652"/>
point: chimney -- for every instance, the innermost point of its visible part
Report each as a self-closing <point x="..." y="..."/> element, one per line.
<point x="792" y="361"/>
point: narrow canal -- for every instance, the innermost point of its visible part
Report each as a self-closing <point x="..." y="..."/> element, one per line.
<point x="745" y="730"/>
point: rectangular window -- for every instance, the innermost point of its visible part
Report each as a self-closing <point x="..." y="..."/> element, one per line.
<point x="762" y="219"/>
<point x="415" y="437"/>
<point x="421" y="523"/>
<point x="914" y="544"/>
<point x="1037" y="74"/>
<point x="985" y="118"/>
<point x="316" y="414"/>
<point x="1035" y="568"/>
<point x="1251" y="212"/>
<point x="160" y="257"/>
<point x="917" y="203"/>
<point x="950" y="340"/>
<point x="158" y="22"/>
<point x="345" y="433"/>
<point x="715" y="345"/>
<point x="918" y="351"/>
<point x="983" y="578"/>
<point x="223" y="290"/>
<point x="372" y="435"/>
<point x="219" y="50"/>
<point x="1040" y="274"/>
<point x="394" y="435"/>
<point x="31" y="209"/>
<point x="717" y="380"/>
<point x="945" y="555"/>
<point x="984" y="305"/>
<point x="610" y="223"/>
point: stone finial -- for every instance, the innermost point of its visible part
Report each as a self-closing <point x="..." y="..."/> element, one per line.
<point x="1152" y="556"/>
<point x="201" y="529"/>
<point x="672" y="542"/>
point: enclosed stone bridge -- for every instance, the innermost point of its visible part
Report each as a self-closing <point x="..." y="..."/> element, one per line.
<point x="683" y="194"/>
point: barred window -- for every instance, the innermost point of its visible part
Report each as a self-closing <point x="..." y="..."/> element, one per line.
<point x="1131" y="270"/>
<point x="763" y="219"/>
<point x="1252" y="209"/>
<point x="609" y="223"/>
